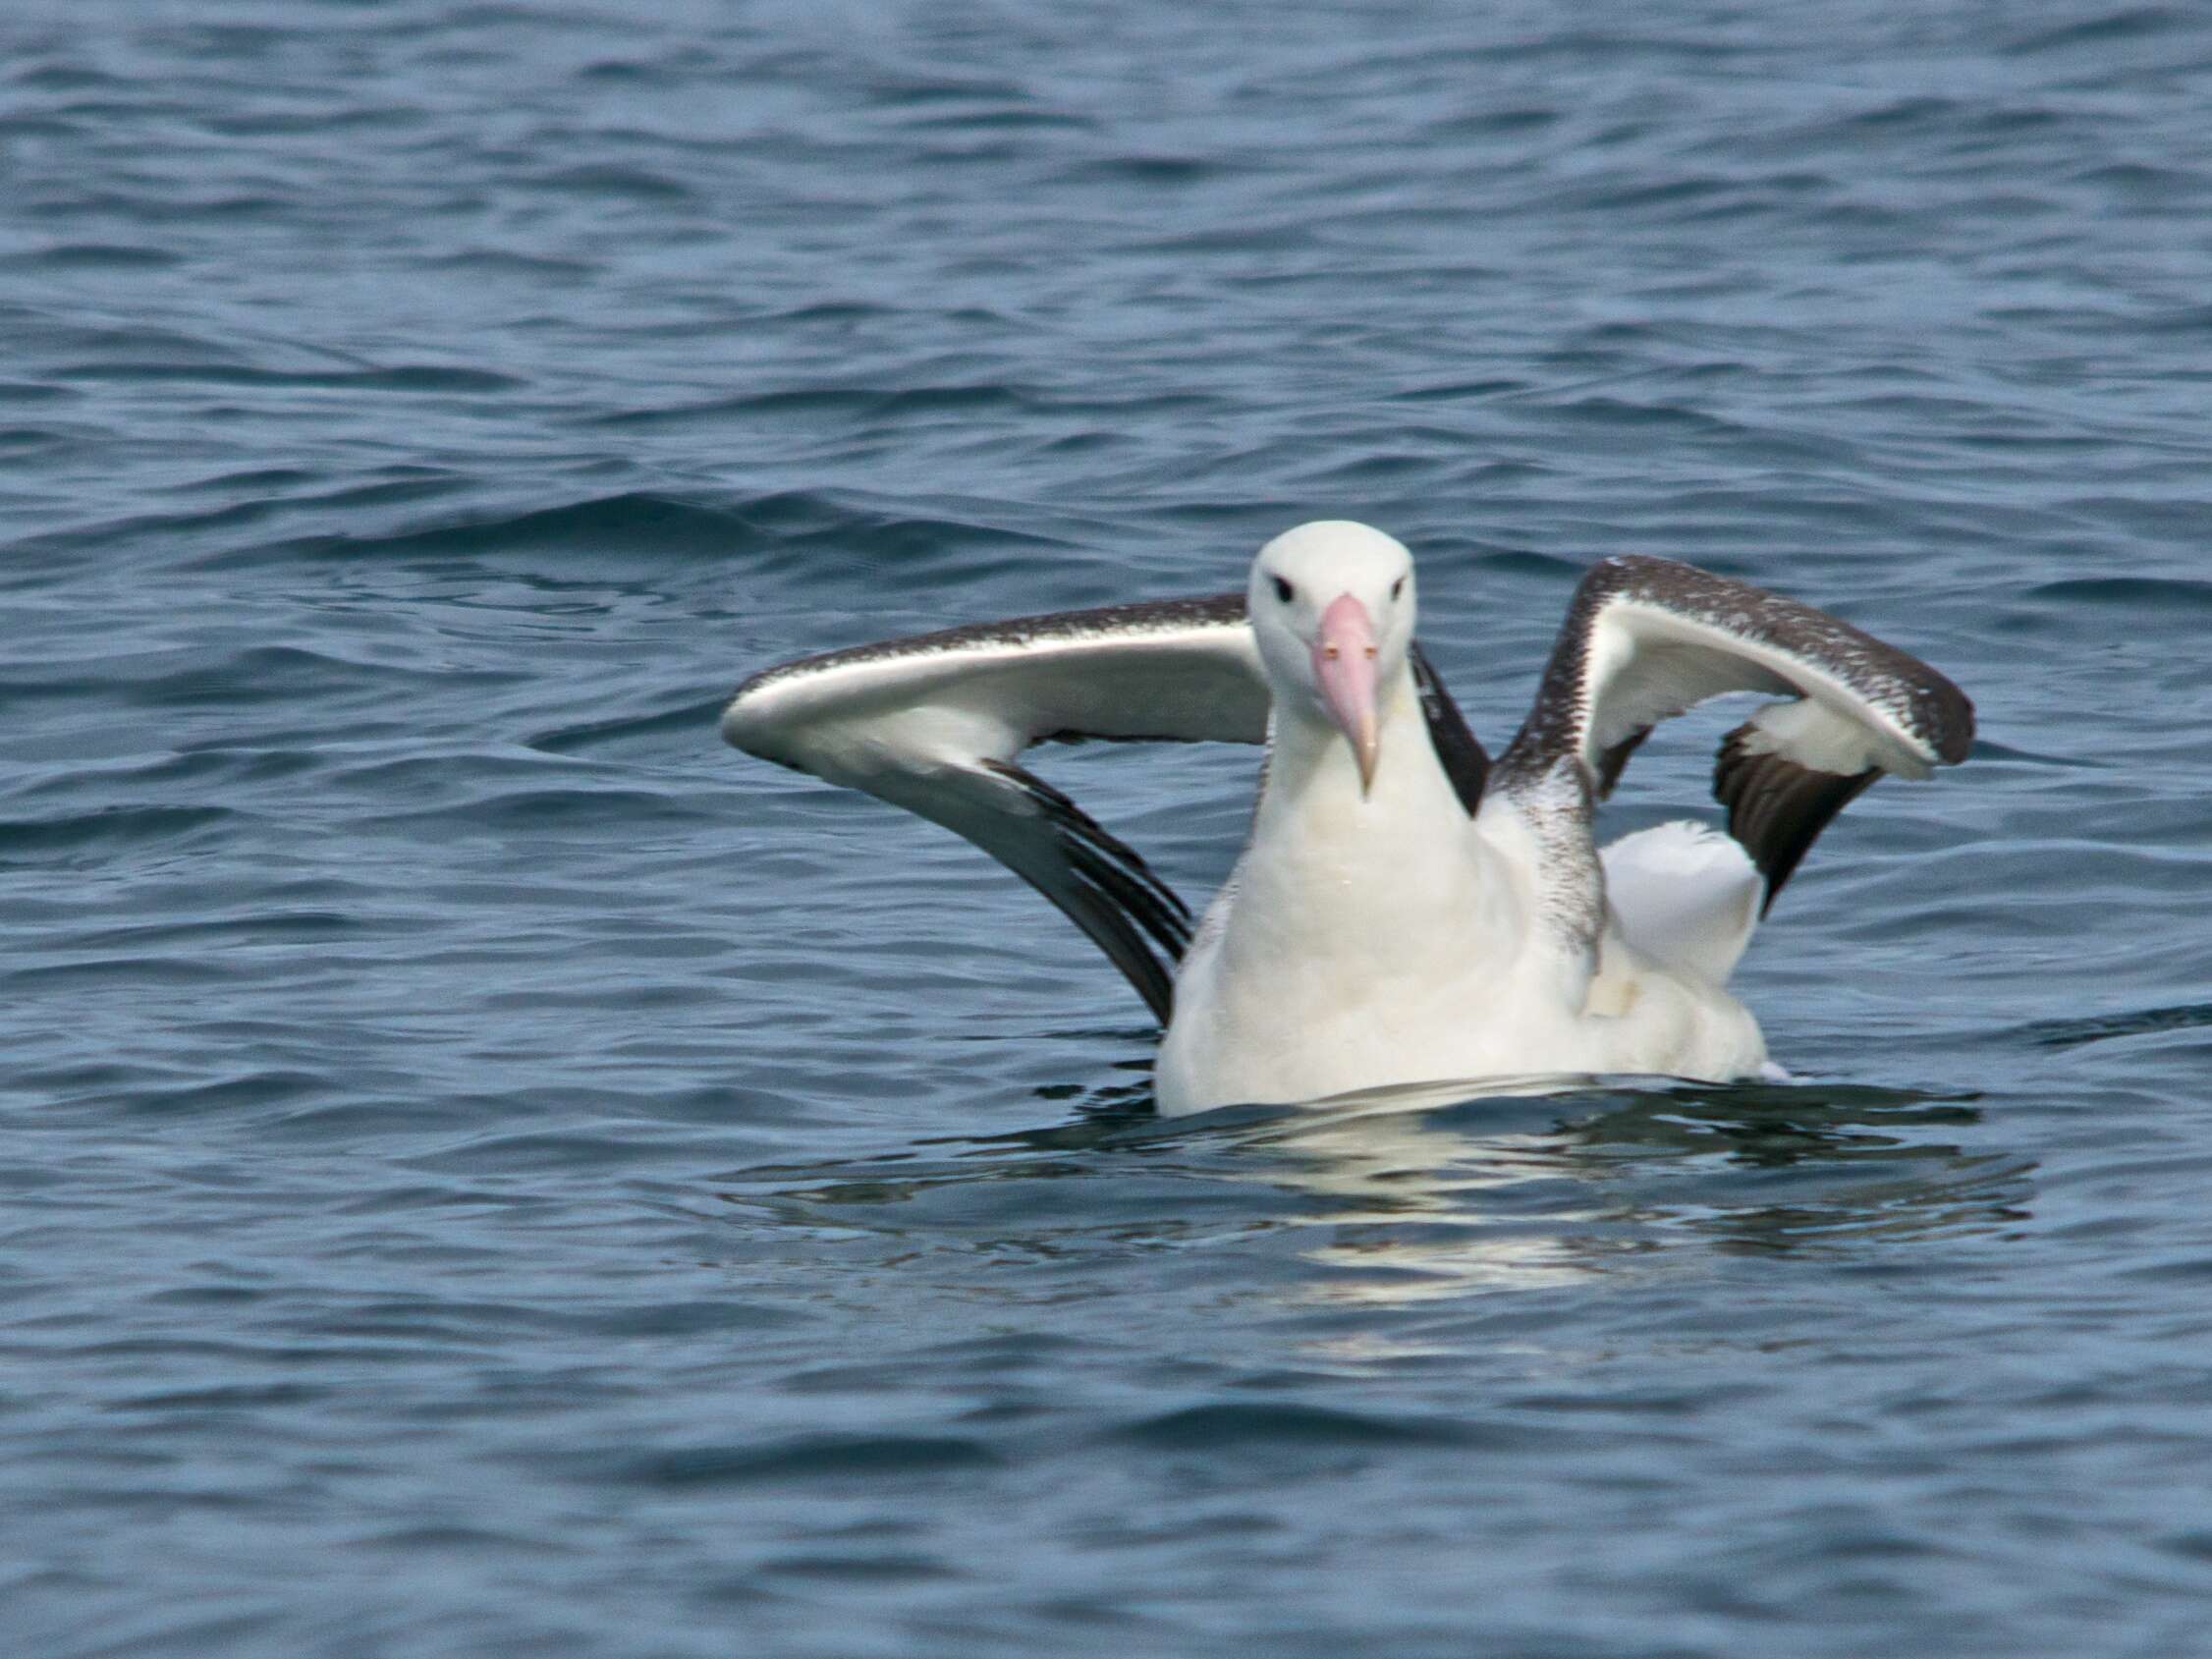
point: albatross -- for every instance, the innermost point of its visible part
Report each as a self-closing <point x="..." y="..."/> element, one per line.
<point x="1404" y="910"/>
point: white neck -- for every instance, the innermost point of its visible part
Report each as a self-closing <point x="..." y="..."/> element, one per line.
<point x="1359" y="873"/>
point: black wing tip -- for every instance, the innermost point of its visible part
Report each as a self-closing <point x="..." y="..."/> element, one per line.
<point x="1948" y="719"/>
<point x="1123" y="905"/>
<point x="1466" y="762"/>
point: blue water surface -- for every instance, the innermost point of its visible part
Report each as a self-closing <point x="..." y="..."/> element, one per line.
<point x="491" y="1171"/>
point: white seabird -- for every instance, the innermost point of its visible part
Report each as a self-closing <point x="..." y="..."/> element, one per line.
<point x="1405" y="912"/>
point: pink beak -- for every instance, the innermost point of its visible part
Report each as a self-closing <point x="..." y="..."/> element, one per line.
<point x="1344" y="662"/>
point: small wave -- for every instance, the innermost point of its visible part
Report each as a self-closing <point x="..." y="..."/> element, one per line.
<point x="874" y="1568"/>
<point x="544" y="812"/>
<point x="1145" y="170"/>
<point x="633" y="520"/>
<point x="225" y="1396"/>
<point x="277" y="926"/>
<point x="137" y="971"/>
<point x="1914" y="111"/>
<point x="1523" y="561"/>
<point x="107" y="830"/>
<point x="250" y="478"/>
<point x="613" y="180"/>
<point x="1631" y="198"/>
<point x="2162" y="593"/>
<point x="810" y="1458"/>
<point x="2138" y="178"/>
<point x="545" y="1152"/>
<point x="2140" y="23"/>
<point x="94" y="256"/>
<point x="1001" y="120"/>
<point x="1467" y="391"/>
<point x="708" y="1316"/>
<point x="2104" y="1027"/>
<point x="689" y="718"/>
<point x="1621" y="411"/>
<point x="816" y="531"/>
<point x="269" y="673"/>
<point x="501" y="261"/>
<point x="1242" y="1424"/>
<point x="244" y="1092"/>
<point x="140" y="340"/>
<point x="1988" y="748"/>
<point x="843" y="403"/>
<point x="1496" y="123"/>
<point x="403" y="377"/>
<point x="65" y="78"/>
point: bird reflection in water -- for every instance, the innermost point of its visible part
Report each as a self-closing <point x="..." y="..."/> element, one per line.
<point x="1433" y="1191"/>
<point x="1414" y="1195"/>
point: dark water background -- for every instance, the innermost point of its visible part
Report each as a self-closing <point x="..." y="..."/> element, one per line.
<point x="489" y="1169"/>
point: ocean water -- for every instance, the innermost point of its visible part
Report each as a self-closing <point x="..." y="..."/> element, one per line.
<point x="491" y="1171"/>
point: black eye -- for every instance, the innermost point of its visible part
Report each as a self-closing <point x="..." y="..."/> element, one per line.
<point x="1284" y="591"/>
<point x="1397" y="588"/>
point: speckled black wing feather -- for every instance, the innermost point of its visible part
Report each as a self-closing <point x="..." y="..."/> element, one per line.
<point x="1647" y="638"/>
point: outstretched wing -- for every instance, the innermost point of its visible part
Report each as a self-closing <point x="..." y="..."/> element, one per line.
<point x="935" y="723"/>
<point x="1647" y="638"/>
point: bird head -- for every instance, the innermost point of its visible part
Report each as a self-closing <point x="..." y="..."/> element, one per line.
<point x="1332" y="611"/>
